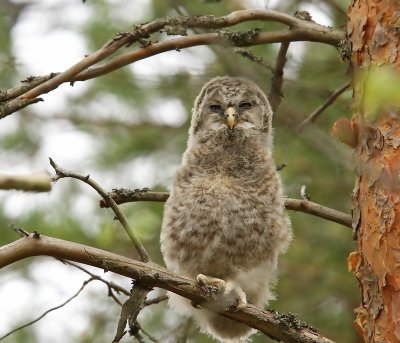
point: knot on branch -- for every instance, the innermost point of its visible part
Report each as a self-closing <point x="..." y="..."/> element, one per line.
<point x="344" y="47"/>
<point x="138" y="33"/>
<point x="291" y="321"/>
<point x="240" y="38"/>
<point x="127" y="193"/>
<point x="6" y="108"/>
<point x="304" y="15"/>
<point x="176" y="26"/>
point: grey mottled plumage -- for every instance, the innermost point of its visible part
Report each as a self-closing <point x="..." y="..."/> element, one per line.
<point x="224" y="222"/>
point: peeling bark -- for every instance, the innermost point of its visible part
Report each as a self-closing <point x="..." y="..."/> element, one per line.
<point x="373" y="30"/>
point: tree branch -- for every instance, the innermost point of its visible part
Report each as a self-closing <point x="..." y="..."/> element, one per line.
<point x="61" y="173"/>
<point x="275" y="94"/>
<point x="131" y="307"/>
<point x="299" y="30"/>
<point x="318" y="210"/>
<point x="35" y="182"/>
<point x="49" y="310"/>
<point x="259" y="60"/>
<point x="7" y="108"/>
<point x="282" y="327"/>
<point x="314" y="115"/>
<point x="109" y="284"/>
<point x="121" y="196"/>
<point x="28" y="84"/>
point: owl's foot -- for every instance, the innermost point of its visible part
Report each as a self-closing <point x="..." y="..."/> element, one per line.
<point x="195" y="305"/>
<point x="234" y="297"/>
<point x="227" y="295"/>
<point x="211" y="285"/>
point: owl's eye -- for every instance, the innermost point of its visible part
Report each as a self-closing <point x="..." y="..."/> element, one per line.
<point x="244" y="105"/>
<point x="216" y="108"/>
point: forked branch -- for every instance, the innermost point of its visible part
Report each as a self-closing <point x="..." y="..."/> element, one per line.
<point x="123" y="196"/>
<point x="61" y="173"/>
<point x="299" y="30"/>
<point x="285" y="328"/>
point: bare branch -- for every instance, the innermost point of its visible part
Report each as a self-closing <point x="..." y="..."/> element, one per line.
<point x="156" y="300"/>
<point x="122" y="195"/>
<point x="28" y="84"/>
<point x="318" y="210"/>
<point x="15" y="105"/>
<point x="48" y="311"/>
<point x="61" y="173"/>
<point x="337" y="7"/>
<point x="190" y="41"/>
<point x="305" y="29"/>
<point x="259" y="60"/>
<point x="184" y="331"/>
<point x="131" y="308"/>
<point x="314" y="115"/>
<point x="290" y="204"/>
<point x="35" y="182"/>
<point x="151" y="275"/>
<point x="150" y="337"/>
<point x="110" y="284"/>
<point x="20" y="231"/>
<point x="303" y="193"/>
<point x="275" y="94"/>
<point x="300" y="30"/>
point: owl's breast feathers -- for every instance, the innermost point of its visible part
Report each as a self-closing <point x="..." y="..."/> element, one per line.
<point x="225" y="212"/>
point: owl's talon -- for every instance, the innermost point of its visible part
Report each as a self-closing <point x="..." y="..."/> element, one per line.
<point x="195" y="305"/>
<point x="211" y="284"/>
<point x="237" y="307"/>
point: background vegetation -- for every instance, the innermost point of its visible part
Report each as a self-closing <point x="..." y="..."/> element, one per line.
<point x="129" y="129"/>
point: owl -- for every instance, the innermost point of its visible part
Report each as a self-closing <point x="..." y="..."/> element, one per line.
<point x="224" y="223"/>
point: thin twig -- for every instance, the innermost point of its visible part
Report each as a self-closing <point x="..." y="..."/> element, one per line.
<point x="156" y="300"/>
<point x="290" y="204"/>
<point x="337" y="7"/>
<point x="130" y="310"/>
<point x="275" y="94"/>
<point x="49" y="310"/>
<point x="151" y="275"/>
<point x="7" y="108"/>
<point x="20" y="231"/>
<point x="131" y="307"/>
<point x="314" y="115"/>
<point x="109" y="284"/>
<point x="259" y="60"/>
<point x="184" y="331"/>
<point x="304" y="194"/>
<point x="150" y="337"/>
<point x="61" y="173"/>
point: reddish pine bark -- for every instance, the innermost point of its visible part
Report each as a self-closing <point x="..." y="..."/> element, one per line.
<point x="373" y="29"/>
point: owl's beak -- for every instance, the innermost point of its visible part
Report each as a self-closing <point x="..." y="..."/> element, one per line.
<point x="230" y="115"/>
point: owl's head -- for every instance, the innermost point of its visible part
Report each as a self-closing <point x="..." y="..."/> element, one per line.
<point x="231" y="107"/>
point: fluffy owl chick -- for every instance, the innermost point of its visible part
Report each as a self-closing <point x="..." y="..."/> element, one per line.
<point x="224" y="223"/>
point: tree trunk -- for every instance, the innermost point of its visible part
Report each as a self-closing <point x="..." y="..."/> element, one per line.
<point x="374" y="39"/>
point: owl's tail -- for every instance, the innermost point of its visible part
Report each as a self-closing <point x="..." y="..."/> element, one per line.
<point x="224" y="329"/>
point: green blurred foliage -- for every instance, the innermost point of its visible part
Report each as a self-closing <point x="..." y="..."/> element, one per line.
<point x="119" y="114"/>
<point x="382" y="89"/>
